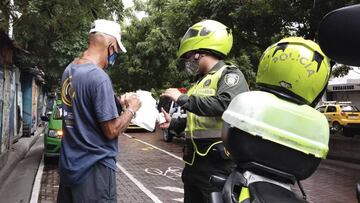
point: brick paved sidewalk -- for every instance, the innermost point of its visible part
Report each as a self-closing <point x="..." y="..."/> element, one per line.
<point x="333" y="182"/>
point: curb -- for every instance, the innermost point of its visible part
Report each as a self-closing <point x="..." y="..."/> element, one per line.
<point x="18" y="152"/>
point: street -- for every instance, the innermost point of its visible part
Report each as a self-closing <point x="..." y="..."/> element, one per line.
<point x="149" y="170"/>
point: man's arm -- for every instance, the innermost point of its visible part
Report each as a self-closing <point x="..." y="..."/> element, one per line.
<point x="231" y="83"/>
<point x="114" y="127"/>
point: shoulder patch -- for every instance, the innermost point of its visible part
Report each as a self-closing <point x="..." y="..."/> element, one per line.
<point x="231" y="79"/>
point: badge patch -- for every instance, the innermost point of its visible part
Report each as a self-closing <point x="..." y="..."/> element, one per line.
<point x="207" y="83"/>
<point x="231" y="79"/>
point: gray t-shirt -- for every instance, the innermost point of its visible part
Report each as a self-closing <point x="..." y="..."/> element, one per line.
<point x="88" y="100"/>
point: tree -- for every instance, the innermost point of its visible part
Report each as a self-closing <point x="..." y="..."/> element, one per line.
<point x="257" y="24"/>
<point x="55" y="31"/>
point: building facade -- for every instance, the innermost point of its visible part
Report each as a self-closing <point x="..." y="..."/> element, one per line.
<point x="346" y="88"/>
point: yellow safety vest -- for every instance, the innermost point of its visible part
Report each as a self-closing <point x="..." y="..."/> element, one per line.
<point x="199" y="127"/>
<point x="244" y="196"/>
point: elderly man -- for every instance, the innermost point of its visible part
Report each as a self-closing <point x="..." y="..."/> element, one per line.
<point x="91" y="120"/>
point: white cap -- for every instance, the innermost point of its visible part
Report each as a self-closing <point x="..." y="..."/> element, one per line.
<point x="108" y="27"/>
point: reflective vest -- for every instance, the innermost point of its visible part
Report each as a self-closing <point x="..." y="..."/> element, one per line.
<point x="244" y="196"/>
<point x="200" y="127"/>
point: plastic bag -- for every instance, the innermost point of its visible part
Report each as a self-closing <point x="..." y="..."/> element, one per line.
<point x="147" y="114"/>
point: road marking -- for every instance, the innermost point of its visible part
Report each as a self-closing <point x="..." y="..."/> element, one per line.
<point x="37" y="183"/>
<point x="155" y="147"/>
<point x="139" y="184"/>
<point x="147" y="148"/>
<point x="173" y="172"/>
<point x="179" y="200"/>
<point x="172" y="189"/>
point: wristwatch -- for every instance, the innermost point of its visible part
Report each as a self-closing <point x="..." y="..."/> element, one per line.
<point x="132" y="112"/>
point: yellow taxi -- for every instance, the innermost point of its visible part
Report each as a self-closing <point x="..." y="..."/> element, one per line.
<point x="341" y="116"/>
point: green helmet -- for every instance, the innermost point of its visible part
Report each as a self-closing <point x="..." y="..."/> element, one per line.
<point x="295" y="68"/>
<point x="207" y="35"/>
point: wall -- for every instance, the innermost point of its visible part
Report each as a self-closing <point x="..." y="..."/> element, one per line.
<point x="5" y="139"/>
<point x="1" y="102"/>
<point x="353" y="96"/>
<point x="26" y="88"/>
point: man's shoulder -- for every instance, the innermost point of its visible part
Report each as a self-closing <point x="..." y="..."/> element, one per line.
<point x="86" y="73"/>
<point x="93" y="74"/>
<point x="98" y="72"/>
<point x="232" y="75"/>
<point x="231" y="68"/>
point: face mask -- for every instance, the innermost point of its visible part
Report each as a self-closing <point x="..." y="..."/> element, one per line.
<point x="112" y="59"/>
<point x="192" y="66"/>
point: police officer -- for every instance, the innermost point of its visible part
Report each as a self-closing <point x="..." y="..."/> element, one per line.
<point x="202" y="50"/>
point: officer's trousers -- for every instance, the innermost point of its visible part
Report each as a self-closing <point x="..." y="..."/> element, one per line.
<point x="197" y="187"/>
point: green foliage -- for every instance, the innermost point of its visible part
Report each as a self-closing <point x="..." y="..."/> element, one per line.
<point x="152" y="42"/>
<point x="55" y="32"/>
<point x="340" y="70"/>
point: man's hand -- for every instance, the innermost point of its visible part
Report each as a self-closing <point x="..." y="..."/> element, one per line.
<point x="112" y="128"/>
<point x="172" y="93"/>
<point x="131" y="100"/>
<point x="122" y="101"/>
<point x="167" y="120"/>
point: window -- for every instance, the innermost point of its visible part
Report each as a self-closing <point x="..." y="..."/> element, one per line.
<point x="58" y="113"/>
<point x="321" y="109"/>
<point x="349" y="108"/>
<point x="331" y="109"/>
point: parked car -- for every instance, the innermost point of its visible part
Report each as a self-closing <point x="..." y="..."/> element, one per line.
<point x="175" y="111"/>
<point x="132" y="128"/>
<point x="342" y="116"/>
<point x="53" y="132"/>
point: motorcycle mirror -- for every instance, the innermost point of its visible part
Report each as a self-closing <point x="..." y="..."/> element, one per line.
<point x="339" y="35"/>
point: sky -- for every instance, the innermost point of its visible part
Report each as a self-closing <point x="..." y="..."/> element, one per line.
<point x="138" y="14"/>
<point x="352" y="75"/>
<point x="127" y="3"/>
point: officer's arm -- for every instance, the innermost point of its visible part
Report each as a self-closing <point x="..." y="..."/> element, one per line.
<point x="216" y="105"/>
<point x="114" y="127"/>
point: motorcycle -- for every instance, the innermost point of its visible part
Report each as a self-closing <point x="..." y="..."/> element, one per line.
<point x="263" y="174"/>
<point x="268" y="167"/>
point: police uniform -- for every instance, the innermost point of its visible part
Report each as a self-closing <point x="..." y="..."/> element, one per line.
<point x="204" y="153"/>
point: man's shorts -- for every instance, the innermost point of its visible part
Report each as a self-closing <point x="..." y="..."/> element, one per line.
<point x="99" y="187"/>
